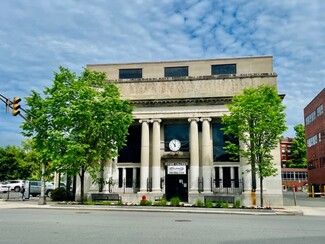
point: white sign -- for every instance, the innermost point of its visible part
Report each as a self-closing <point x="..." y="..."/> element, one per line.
<point x="176" y="169"/>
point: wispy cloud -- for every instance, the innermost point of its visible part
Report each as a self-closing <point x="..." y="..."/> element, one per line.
<point x="38" y="36"/>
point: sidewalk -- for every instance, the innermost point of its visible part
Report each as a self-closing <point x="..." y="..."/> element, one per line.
<point x="283" y="210"/>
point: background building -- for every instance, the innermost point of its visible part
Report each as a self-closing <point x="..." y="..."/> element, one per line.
<point x="291" y="177"/>
<point x="175" y="146"/>
<point x="315" y="136"/>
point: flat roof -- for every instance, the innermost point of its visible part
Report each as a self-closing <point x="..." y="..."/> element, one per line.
<point x="181" y="61"/>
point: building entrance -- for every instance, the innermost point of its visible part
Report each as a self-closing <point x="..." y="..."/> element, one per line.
<point x="176" y="181"/>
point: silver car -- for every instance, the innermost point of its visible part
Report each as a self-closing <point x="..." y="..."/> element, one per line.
<point x="35" y="188"/>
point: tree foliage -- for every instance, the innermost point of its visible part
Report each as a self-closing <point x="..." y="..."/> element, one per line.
<point x="15" y="164"/>
<point x="298" y="149"/>
<point x="257" y="119"/>
<point x="78" y="123"/>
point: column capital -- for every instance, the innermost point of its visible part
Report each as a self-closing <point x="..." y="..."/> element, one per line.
<point x="155" y="120"/>
<point x="193" y="119"/>
<point x="144" y="121"/>
<point x="205" y="119"/>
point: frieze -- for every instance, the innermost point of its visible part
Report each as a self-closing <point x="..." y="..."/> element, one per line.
<point x="158" y="89"/>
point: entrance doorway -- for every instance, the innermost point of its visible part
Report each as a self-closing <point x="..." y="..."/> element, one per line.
<point x="176" y="181"/>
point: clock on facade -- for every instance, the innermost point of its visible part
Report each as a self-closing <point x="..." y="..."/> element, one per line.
<point x="174" y="145"/>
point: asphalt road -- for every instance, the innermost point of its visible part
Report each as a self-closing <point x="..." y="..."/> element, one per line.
<point x="77" y="226"/>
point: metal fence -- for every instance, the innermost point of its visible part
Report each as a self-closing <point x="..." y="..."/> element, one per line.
<point x="11" y="195"/>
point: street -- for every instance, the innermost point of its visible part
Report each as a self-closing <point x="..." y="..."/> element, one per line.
<point x="83" y="226"/>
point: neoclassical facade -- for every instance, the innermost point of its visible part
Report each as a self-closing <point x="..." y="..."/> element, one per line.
<point x="175" y="145"/>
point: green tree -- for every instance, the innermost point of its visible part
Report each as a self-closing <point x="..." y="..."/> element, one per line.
<point x="257" y="119"/>
<point x="13" y="164"/>
<point x="79" y="123"/>
<point x="298" y="149"/>
<point x="32" y="159"/>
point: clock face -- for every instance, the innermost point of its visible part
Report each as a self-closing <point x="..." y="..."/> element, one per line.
<point x="174" y="145"/>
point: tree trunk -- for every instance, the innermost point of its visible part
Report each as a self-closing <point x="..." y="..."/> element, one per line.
<point x="261" y="189"/>
<point x="82" y="177"/>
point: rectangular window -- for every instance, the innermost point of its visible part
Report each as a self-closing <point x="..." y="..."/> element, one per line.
<point x="320" y="110"/>
<point x="130" y="153"/>
<point x="223" y="69"/>
<point x="130" y="73"/>
<point x="217" y="177"/>
<point x="176" y="71"/>
<point x="236" y="174"/>
<point x="120" y="177"/>
<point x="226" y="177"/>
<point x="219" y="142"/>
<point x="129" y="177"/>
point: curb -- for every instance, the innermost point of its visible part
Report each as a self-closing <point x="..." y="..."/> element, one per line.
<point x="18" y="204"/>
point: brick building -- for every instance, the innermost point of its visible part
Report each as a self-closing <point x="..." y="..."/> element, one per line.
<point x="291" y="177"/>
<point x="315" y="136"/>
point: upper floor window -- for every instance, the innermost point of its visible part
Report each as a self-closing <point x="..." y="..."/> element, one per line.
<point x="223" y="69"/>
<point x="130" y="73"/>
<point x="176" y="71"/>
<point x="310" y="118"/>
<point x="320" y="110"/>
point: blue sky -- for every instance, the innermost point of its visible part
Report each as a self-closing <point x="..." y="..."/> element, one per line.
<point x="39" y="36"/>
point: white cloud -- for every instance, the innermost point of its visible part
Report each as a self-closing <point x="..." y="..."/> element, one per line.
<point x="38" y="36"/>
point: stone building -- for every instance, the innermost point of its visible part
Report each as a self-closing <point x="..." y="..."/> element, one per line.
<point x="175" y="145"/>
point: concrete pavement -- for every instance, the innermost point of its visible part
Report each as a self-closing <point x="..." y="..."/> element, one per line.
<point x="283" y="210"/>
<point x="305" y="206"/>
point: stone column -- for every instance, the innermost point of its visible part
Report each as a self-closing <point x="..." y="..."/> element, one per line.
<point x="194" y="155"/>
<point x="144" y="170"/>
<point x="221" y="176"/>
<point x="156" y="155"/>
<point x="206" y="155"/>
<point x="232" y="177"/>
<point x="134" y="179"/>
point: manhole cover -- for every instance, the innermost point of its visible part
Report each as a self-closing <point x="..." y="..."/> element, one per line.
<point x="182" y="220"/>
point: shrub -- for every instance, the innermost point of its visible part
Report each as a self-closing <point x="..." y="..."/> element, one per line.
<point x="222" y="204"/>
<point x="60" y="194"/>
<point x="208" y="204"/>
<point x="175" y="201"/>
<point x="237" y="203"/>
<point x="162" y="202"/>
<point x="199" y="203"/>
<point x="145" y="202"/>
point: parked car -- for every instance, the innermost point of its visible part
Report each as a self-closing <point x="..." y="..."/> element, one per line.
<point x="35" y="188"/>
<point x="4" y="187"/>
<point x="15" y="185"/>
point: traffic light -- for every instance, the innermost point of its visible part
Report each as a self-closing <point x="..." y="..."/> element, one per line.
<point x="15" y="106"/>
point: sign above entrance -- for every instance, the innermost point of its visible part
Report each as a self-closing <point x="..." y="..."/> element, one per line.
<point x="176" y="168"/>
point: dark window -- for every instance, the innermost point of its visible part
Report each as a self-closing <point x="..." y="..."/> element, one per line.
<point x="236" y="175"/>
<point x="223" y="69"/>
<point x="131" y="151"/>
<point x="129" y="177"/>
<point x="219" y="142"/>
<point x="179" y="132"/>
<point x="176" y="71"/>
<point x="120" y="177"/>
<point x="226" y="177"/>
<point x="217" y="178"/>
<point x="130" y="73"/>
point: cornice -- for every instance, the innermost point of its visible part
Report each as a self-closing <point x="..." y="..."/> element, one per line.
<point x="182" y="101"/>
<point x="191" y="78"/>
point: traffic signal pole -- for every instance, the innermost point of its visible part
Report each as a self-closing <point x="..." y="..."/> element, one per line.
<point x="14" y="105"/>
